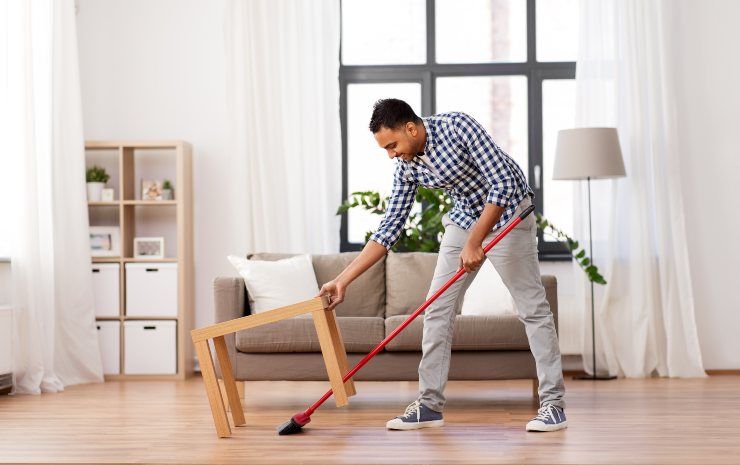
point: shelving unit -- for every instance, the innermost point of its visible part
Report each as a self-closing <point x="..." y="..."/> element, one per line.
<point x="128" y="163"/>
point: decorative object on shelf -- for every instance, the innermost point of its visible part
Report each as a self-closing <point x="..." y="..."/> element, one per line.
<point x="105" y="241"/>
<point x="108" y="195"/>
<point x="151" y="190"/>
<point x="168" y="192"/>
<point x="96" y="179"/>
<point x="589" y="153"/>
<point x="149" y="247"/>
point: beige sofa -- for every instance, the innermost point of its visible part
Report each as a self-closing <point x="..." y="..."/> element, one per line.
<point x="485" y="347"/>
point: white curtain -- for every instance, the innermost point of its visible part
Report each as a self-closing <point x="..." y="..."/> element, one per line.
<point x="645" y="314"/>
<point x="283" y="96"/>
<point x="43" y="198"/>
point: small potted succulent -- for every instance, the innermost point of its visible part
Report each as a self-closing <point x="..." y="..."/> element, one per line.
<point x="168" y="192"/>
<point x="96" y="179"/>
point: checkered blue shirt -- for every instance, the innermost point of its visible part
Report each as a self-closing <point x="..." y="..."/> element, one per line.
<point x="469" y="166"/>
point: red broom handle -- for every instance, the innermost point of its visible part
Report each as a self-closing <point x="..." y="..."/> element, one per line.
<point x="419" y="310"/>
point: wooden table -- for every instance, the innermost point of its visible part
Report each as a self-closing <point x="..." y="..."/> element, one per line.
<point x="330" y="340"/>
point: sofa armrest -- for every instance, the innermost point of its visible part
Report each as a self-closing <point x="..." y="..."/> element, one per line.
<point x="229" y="300"/>
<point x="550" y="284"/>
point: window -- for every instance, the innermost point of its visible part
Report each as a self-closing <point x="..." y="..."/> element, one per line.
<point x="509" y="63"/>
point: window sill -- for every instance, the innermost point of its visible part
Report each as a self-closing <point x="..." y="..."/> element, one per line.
<point x="555" y="257"/>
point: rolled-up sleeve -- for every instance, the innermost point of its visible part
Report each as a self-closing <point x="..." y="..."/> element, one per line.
<point x="487" y="157"/>
<point x="397" y="212"/>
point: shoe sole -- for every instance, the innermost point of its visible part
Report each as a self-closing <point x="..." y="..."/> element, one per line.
<point x="401" y="426"/>
<point x="543" y="428"/>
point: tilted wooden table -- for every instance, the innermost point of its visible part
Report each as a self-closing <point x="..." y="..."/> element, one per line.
<point x="330" y="340"/>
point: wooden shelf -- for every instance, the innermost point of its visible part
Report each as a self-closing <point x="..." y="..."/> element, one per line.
<point x="114" y="203"/>
<point x="154" y="203"/>
<point x="130" y="157"/>
<point x="106" y="259"/>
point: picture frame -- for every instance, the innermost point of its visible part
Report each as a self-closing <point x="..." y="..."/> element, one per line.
<point x="151" y="190"/>
<point x="105" y="241"/>
<point x="107" y="195"/>
<point x="149" y="247"/>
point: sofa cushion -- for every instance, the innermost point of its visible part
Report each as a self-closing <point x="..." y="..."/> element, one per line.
<point x="298" y="334"/>
<point x="364" y="297"/>
<point x="265" y="281"/>
<point x="408" y="276"/>
<point x="472" y="332"/>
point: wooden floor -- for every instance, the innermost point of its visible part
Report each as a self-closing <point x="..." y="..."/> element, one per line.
<point x="622" y="421"/>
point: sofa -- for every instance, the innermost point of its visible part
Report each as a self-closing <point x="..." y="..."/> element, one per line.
<point x="484" y="347"/>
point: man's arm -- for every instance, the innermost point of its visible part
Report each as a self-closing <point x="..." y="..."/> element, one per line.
<point x="483" y="151"/>
<point x="390" y="229"/>
<point x="472" y="256"/>
<point x="335" y="288"/>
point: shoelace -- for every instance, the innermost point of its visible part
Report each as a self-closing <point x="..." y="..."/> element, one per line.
<point x="414" y="407"/>
<point x="546" y="413"/>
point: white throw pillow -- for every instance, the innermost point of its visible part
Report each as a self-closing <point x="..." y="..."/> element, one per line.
<point x="275" y="284"/>
<point x="488" y="295"/>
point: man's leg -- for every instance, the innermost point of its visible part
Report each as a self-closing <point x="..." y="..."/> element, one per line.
<point x="439" y="319"/>
<point x="515" y="259"/>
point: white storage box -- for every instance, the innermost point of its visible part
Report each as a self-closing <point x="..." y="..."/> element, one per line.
<point x="151" y="289"/>
<point x="109" y="338"/>
<point x="6" y="338"/>
<point x="106" y="288"/>
<point x="150" y="347"/>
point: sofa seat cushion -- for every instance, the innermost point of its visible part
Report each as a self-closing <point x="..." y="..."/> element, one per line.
<point x="364" y="297"/>
<point x="298" y="334"/>
<point x="472" y="332"/>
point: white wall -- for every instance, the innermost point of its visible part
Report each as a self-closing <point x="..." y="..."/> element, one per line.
<point x="155" y="70"/>
<point x="707" y="72"/>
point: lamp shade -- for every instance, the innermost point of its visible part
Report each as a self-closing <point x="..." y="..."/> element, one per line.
<point x="588" y="153"/>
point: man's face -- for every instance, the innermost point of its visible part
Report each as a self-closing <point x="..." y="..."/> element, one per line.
<point x="402" y="142"/>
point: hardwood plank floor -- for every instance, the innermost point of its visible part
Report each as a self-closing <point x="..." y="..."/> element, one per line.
<point x="622" y="421"/>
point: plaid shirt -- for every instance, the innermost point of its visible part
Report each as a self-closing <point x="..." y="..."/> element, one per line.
<point x="468" y="164"/>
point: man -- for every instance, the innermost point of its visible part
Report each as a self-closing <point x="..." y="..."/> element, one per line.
<point x="454" y="152"/>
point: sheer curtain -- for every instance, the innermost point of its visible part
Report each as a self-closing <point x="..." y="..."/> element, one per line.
<point x="645" y="314"/>
<point x="283" y="92"/>
<point x="43" y="198"/>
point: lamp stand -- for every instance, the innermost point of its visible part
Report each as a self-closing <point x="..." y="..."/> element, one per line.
<point x="593" y="376"/>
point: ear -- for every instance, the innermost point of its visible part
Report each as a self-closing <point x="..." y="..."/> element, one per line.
<point x="411" y="129"/>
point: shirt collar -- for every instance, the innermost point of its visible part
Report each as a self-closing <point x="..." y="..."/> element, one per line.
<point x="429" y="143"/>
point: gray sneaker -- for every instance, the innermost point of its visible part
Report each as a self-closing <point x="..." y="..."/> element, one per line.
<point x="549" y="418"/>
<point x="416" y="416"/>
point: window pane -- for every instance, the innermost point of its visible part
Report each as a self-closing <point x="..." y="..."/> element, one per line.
<point x="383" y="32"/>
<point x="557" y="30"/>
<point x="558" y="112"/>
<point x="480" y="31"/>
<point x="368" y="166"/>
<point x="498" y="103"/>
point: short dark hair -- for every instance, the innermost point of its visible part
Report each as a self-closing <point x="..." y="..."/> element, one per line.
<point x="391" y="113"/>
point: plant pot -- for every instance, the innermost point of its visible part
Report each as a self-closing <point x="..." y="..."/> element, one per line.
<point x="167" y="194"/>
<point x="94" y="191"/>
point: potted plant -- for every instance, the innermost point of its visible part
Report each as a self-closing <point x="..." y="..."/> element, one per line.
<point x="96" y="179"/>
<point x="423" y="231"/>
<point x="168" y="192"/>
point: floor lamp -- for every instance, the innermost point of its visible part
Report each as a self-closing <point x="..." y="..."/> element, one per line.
<point x="589" y="153"/>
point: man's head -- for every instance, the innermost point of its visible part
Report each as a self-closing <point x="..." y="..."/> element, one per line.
<point x="397" y="129"/>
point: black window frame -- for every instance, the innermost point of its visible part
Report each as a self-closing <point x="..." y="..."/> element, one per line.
<point x="425" y="74"/>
